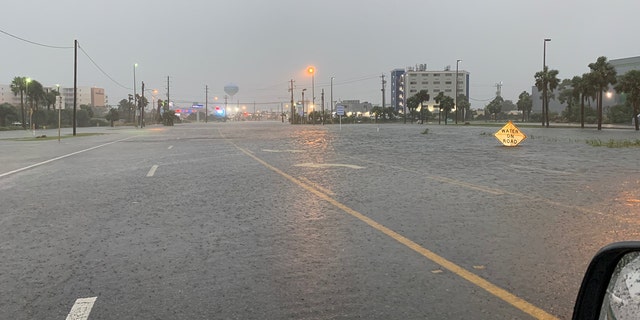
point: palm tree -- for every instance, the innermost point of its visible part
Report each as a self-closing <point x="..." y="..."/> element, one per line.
<point x="546" y="81"/>
<point x="19" y="85"/>
<point x="587" y="90"/>
<point x="445" y="103"/>
<point x="577" y="84"/>
<point x="603" y="74"/>
<point x="463" y="104"/>
<point x="629" y="84"/>
<point x="525" y="104"/>
<point x="495" y="107"/>
<point x="36" y="94"/>
<point x="50" y="98"/>
<point x="415" y="101"/>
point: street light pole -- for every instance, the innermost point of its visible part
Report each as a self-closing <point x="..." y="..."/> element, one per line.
<point x="331" y="101"/>
<point x="135" y="97"/>
<point x="312" y="71"/>
<point x="545" y="105"/>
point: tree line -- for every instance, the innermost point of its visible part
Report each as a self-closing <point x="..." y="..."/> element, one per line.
<point x="592" y="85"/>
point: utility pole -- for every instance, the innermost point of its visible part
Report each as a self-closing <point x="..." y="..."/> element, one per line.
<point x="322" y="96"/>
<point x="168" y="99"/>
<point x="75" y="83"/>
<point x="292" y="105"/>
<point x="384" y="82"/>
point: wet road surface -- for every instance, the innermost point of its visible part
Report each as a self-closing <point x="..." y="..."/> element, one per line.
<point x="271" y="221"/>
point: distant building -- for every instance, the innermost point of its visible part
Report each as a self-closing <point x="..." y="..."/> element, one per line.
<point x="622" y="66"/>
<point x="536" y="98"/>
<point x="419" y="78"/>
<point x="397" y="89"/>
<point x="7" y="96"/>
<point x="86" y="95"/>
<point x="355" y="106"/>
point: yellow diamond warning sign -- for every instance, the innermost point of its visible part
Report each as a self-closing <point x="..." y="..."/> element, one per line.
<point x="510" y="135"/>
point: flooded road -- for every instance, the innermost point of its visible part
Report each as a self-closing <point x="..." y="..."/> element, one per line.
<point x="529" y="218"/>
<point x="256" y="220"/>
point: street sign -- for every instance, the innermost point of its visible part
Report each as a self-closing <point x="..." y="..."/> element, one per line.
<point x="510" y="135"/>
<point x="58" y="105"/>
<point x="340" y="110"/>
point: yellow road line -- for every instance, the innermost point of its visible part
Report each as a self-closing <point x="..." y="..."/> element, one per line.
<point x="315" y="185"/>
<point x="504" y="295"/>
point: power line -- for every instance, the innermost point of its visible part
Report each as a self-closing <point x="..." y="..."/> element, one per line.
<point x="99" y="68"/>
<point x="33" y="42"/>
<point x="61" y="47"/>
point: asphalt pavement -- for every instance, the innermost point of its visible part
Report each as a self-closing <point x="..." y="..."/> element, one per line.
<point x="265" y="220"/>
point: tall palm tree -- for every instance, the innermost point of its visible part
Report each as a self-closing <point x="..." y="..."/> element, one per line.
<point x="19" y="86"/>
<point x="587" y="90"/>
<point x="577" y="83"/>
<point x="629" y="84"/>
<point x="36" y="94"/>
<point x="604" y="74"/>
<point x="463" y="105"/>
<point x="546" y="81"/>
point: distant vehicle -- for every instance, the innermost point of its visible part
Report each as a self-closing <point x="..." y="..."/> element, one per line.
<point x="17" y="124"/>
<point x="220" y="114"/>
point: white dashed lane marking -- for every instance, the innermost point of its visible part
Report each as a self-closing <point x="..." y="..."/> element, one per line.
<point x="81" y="309"/>
<point x="152" y="171"/>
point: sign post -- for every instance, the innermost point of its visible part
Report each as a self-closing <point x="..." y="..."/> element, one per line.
<point x="59" y="109"/>
<point x="340" y="112"/>
<point x="510" y="135"/>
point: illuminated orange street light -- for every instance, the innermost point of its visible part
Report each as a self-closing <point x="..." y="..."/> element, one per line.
<point x="312" y="71"/>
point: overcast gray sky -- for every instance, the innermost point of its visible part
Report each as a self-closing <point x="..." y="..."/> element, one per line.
<point x="260" y="45"/>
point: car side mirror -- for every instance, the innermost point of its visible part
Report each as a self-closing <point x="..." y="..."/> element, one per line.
<point x="611" y="286"/>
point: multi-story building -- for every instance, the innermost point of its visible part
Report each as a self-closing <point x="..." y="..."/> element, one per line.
<point x="622" y="66"/>
<point x="7" y="96"/>
<point x="86" y="95"/>
<point x="355" y="106"/>
<point x="397" y="89"/>
<point x="434" y="82"/>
